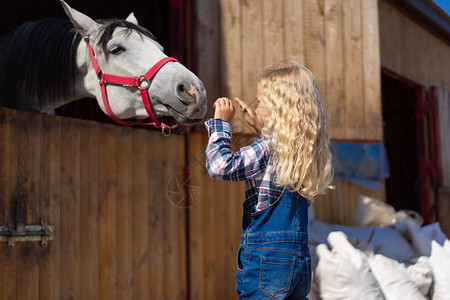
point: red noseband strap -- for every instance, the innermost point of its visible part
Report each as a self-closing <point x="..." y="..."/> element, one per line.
<point x="143" y="84"/>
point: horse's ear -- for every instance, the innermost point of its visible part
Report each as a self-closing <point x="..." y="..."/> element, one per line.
<point x="132" y="19"/>
<point x="83" y="24"/>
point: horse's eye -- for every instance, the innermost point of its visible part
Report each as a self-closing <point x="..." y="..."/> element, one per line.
<point x="117" y="50"/>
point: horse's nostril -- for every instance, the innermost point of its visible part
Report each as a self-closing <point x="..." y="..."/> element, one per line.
<point x="188" y="93"/>
<point x="182" y="88"/>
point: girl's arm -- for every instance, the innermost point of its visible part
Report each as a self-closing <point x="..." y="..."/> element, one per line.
<point x="222" y="163"/>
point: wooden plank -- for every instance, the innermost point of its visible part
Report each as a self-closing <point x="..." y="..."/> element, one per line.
<point x="141" y="232"/>
<point x="156" y="221"/>
<point x="8" y="172"/>
<point x="70" y="210"/>
<point x="445" y="68"/>
<point x="50" y="207"/>
<point x="107" y="213"/>
<point x="196" y="222"/>
<point x="208" y="52"/>
<point x="339" y="206"/>
<point x="373" y="119"/>
<point x="273" y="32"/>
<point x="231" y="74"/>
<point x="385" y="22"/>
<point x="443" y="124"/>
<point x="389" y="37"/>
<point x="230" y="68"/>
<point x="180" y="215"/>
<point x="422" y="67"/>
<point x="220" y="225"/>
<point x="252" y="54"/>
<point x="354" y="116"/>
<point x="209" y="234"/>
<point x="396" y="33"/>
<point x="89" y="210"/>
<point x="405" y="35"/>
<point x="174" y="216"/>
<point x="124" y="207"/>
<point x="324" y="203"/>
<point x="436" y="63"/>
<point x="313" y="11"/>
<point x="28" y="185"/>
<point x="334" y="61"/>
<point x="294" y="45"/>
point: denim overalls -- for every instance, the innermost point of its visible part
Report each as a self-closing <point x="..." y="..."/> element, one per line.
<point x="273" y="260"/>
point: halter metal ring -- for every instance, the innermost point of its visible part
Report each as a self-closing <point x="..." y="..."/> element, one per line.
<point x="164" y="132"/>
<point x="143" y="82"/>
<point x="100" y="76"/>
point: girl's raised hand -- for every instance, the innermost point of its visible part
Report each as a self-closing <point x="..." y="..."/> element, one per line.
<point x="250" y="117"/>
<point x="224" y="109"/>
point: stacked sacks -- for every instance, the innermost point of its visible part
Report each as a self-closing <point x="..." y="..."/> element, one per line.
<point x="344" y="272"/>
<point x="399" y="260"/>
<point x="430" y="242"/>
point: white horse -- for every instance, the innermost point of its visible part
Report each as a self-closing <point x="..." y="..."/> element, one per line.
<point x="49" y="63"/>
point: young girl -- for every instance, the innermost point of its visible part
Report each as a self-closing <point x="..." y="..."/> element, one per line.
<point x="283" y="170"/>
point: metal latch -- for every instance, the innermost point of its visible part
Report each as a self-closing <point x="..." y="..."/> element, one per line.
<point x="27" y="233"/>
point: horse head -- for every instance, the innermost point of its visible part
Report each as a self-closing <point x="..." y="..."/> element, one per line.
<point x="123" y="48"/>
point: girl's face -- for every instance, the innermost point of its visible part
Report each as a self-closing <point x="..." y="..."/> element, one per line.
<point x="260" y="111"/>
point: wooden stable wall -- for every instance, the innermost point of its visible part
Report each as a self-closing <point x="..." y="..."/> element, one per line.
<point x="411" y="51"/>
<point x="105" y="189"/>
<point x="443" y="125"/>
<point x="418" y="55"/>
<point x="443" y="192"/>
<point x="119" y="235"/>
<point x="336" y="39"/>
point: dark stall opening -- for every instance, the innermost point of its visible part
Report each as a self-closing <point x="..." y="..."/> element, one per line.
<point x="400" y="136"/>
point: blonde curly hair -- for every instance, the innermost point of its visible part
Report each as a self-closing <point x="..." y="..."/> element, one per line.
<point x="296" y="129"/>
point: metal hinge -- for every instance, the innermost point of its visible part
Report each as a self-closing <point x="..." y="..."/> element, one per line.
<point x="27" y="233"/>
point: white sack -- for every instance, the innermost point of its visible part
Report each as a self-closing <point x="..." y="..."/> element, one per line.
<point x="420" y="273"/>
<point x="386" y="240"/>
<point x="344" y="272"/>
<point x="447" y="246"/>
<point x="373" y="212"/>
<point x="394" y="279"/>
<point x="408" y="214"/>
<point x="410" y="229"/>
<point x="440" y="266"/>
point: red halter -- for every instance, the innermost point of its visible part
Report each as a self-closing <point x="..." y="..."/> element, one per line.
<point x="142" y="82"/>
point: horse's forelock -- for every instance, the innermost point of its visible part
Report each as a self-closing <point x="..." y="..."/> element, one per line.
<point x="108" y="27"/>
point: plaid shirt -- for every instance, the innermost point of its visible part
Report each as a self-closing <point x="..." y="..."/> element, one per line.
<point x="252" y="164"/>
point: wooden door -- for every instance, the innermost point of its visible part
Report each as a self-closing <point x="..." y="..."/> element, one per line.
<point x="104" y="189"/>
<point x="427" y="152"/>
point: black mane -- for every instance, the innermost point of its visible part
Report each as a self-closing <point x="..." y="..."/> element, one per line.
<point x="38" y="59"/>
